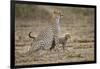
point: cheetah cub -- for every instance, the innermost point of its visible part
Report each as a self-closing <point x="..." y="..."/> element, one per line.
<point x="63" y="40"/>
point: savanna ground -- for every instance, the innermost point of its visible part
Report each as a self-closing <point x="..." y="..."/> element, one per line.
<point x="79" y="22"/>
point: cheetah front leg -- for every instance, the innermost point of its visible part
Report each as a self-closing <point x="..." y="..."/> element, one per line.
<point x="53" y="44"/>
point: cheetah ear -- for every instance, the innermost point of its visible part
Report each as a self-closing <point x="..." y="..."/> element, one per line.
<point x="54" y="13"/>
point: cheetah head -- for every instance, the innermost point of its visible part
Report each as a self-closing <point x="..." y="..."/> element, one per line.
<point x="67" y="36"/>
<point x="57" y="13"/>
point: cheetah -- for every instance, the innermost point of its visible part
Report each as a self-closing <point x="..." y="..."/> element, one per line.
<point x="63" y="40"/>
<point x="49" y="37"/>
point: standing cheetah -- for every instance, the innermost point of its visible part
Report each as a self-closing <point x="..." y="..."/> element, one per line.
<point x="63" y="40"/>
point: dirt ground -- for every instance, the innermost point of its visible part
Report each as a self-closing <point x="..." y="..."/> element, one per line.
<point x="79" y="22"/>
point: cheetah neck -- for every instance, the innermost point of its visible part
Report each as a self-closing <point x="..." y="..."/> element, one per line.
<point x="58" y="25"/>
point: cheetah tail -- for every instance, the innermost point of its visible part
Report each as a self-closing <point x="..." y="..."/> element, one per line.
<point x="31" y="36"/>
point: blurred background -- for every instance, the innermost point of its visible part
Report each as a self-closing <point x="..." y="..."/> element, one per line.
<point x="78" y="21"/>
